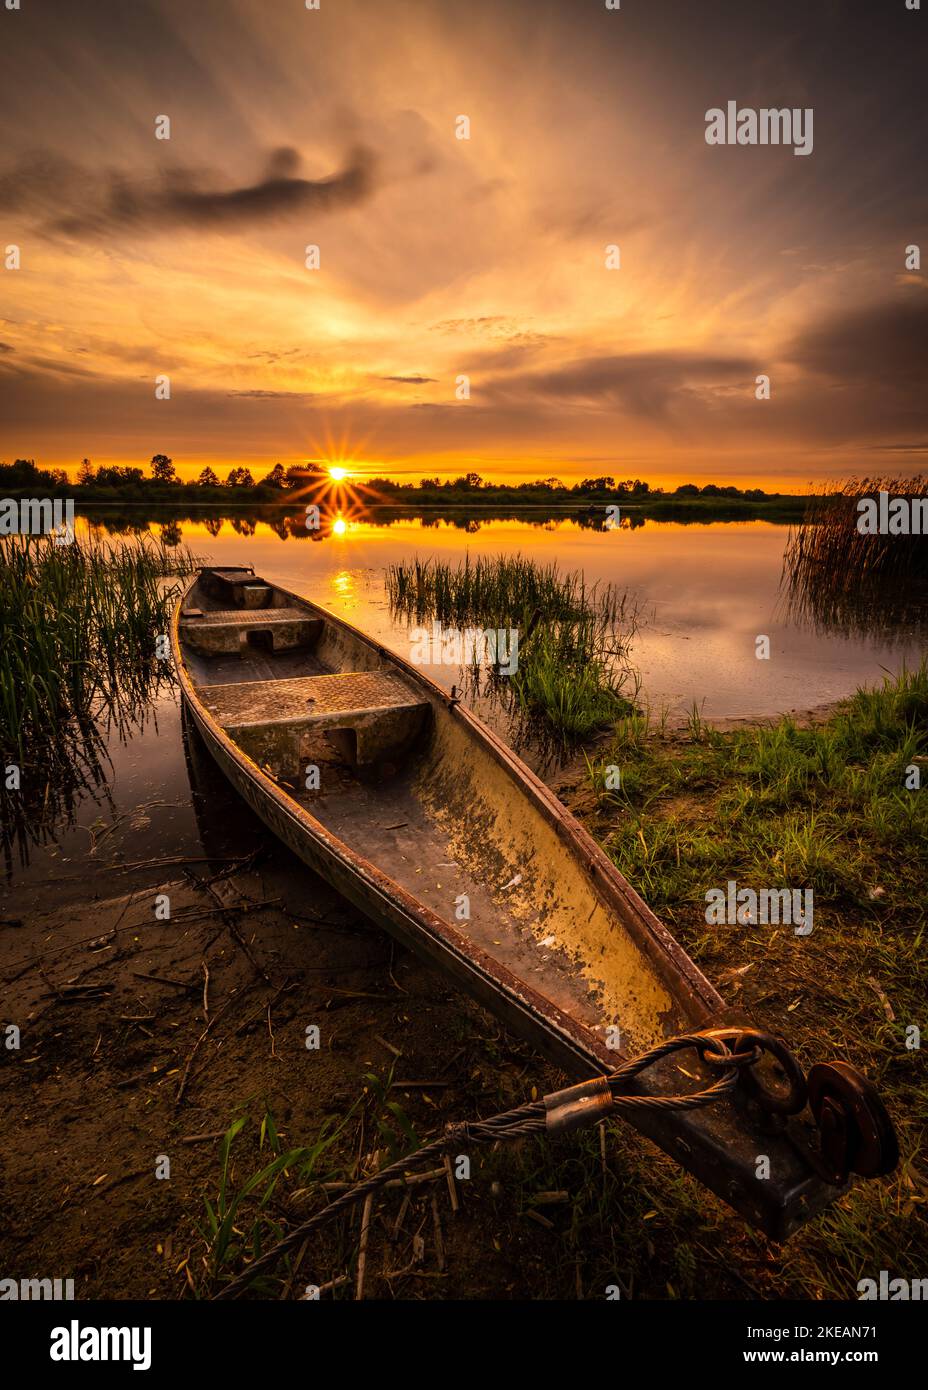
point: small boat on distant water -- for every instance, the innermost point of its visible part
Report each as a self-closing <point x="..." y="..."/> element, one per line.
<point x="419" y="815"/>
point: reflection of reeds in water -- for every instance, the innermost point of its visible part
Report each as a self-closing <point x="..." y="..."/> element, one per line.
<point x="80" y="624"/>
<point x="840" y="579"/>
<point x="572" y="661"/>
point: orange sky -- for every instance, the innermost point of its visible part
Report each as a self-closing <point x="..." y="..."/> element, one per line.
<point x="443" y="257"/>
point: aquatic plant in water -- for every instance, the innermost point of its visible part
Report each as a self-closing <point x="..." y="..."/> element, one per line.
<point x="80" y="624"/>
<point x="840" y="574"/>
<point x="573" y="674"/>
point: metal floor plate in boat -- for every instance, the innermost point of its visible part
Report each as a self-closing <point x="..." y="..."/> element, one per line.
<point x="246" y="617"/>
<point x="289" y="701"/>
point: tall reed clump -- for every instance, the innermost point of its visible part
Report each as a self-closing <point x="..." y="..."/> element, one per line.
<point x="574" y="679"/>
<point x="837" y="575"/>
<point x="491" y="590"/>
<point x="80" y="622"/>
<point x="572" y="670"/>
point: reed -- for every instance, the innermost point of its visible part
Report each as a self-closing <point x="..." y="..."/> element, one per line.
<point x="573" y="670"/>
<point x="839" y="578"/>
<point x="80" y="622"/>
<point x="569" y="678"/>
<point x="498" y="590"/>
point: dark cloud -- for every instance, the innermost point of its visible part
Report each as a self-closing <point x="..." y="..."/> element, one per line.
<point x="179" y="198"/>
<point x="410" y="380"/>
<point x="642" y="383"/>
<point x="884" y="343"/>
<point x="48" y="369"/>
<point x="256" y="395"/>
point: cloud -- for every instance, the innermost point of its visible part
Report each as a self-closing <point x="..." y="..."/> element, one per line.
<point x="257" y="395"/>
<point x="863" y="373"/>
<point x="642" y="383"/>
<point x="494" y="326"/>
<point x="884" y="343"/>
<point x="179" y="198"/>
<point x="410" y="380"/>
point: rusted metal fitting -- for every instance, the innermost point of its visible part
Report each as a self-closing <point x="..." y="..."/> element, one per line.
<point x="577" y="1106"/>
<point x="727" y="1058"/>
<point x="755" y="1041"/>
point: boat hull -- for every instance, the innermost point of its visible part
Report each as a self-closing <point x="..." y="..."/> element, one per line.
<point x="720" y="1146"/>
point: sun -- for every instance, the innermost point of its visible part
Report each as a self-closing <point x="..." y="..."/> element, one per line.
<point x="337" y="473"/>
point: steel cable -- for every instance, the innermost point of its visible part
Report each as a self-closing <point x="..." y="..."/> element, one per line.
<point x="519" y="1123"/>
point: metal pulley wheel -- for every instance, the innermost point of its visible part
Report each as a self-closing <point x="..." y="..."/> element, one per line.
<point x="857" y="1134"/>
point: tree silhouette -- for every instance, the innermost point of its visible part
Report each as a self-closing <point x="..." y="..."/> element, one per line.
<point x="240" y="477"/>
<point x="85" y="473"/>
<point x="276" y="478"/>
<point x="162" y="469"/>
<point x="208" y="478"/>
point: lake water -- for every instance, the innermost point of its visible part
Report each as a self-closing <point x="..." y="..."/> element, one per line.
<point x="704" y="593"/>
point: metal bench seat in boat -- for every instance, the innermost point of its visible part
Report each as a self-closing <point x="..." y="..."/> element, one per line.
<point x="232" y="576"/>
<point x="228" y="629"/>
<point x="370" y="716"/>
<point x="238" y="586"/>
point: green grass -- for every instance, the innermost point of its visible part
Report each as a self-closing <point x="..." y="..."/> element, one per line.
<point x="787" y="806"/>
<point x="824" y="807"/>
<point x="567" y="679"/>
<point x="241" y="1221"/>
<point x="256" y="1194"/>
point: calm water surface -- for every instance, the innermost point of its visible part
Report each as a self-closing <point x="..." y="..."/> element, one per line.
<point x="703" y="592"/>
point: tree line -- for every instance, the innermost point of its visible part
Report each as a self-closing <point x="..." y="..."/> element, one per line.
<point x="129" y="483"/>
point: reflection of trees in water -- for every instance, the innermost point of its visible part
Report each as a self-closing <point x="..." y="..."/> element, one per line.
<point x="837" y="578"/>
<point x="116" y="525"/>
<point x="289" y="523"/>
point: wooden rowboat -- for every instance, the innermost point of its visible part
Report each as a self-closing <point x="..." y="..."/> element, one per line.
<point x="419" y="815"/>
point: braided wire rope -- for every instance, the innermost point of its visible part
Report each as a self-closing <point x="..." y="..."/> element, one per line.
<point x="518" y="1123"/>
